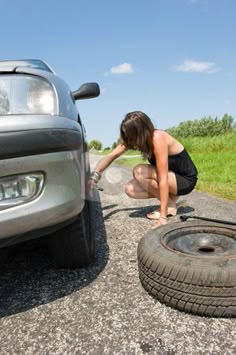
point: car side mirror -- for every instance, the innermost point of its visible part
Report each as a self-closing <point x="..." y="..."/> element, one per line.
<point x="86" y="91"/>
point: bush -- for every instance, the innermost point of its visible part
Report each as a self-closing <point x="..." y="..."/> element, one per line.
<point x="206" y="126"/>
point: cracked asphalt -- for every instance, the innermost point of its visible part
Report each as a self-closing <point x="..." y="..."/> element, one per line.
<point x="103" y="309"/>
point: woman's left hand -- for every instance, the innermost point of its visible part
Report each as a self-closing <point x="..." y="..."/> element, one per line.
<point x="161" y="222"/>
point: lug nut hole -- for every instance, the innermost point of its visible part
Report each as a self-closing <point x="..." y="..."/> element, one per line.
<point x="206" y="249"/>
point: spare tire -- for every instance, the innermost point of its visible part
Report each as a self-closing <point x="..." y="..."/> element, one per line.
<point x="191" y="266"/>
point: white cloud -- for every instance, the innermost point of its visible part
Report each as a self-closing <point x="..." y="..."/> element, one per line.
<point x="190" y="66"/>
<point x="124" y="68"/>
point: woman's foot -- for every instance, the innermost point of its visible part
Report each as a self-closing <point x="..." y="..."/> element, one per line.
<point x="171" y="211"/>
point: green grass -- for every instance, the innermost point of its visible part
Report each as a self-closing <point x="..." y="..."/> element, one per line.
<point x="216" y="173"/>
<point x="217" y="144"/>
<point x="130" y="162"/>
<point x="215" y="159"/>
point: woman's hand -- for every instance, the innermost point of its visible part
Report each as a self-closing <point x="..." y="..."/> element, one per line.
<point x="95" y="176"/>
<point x="161" y="222"/>
<point x="91" y="186"/>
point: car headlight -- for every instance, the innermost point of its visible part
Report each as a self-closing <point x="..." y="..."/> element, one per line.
<point x="26" y="94"/>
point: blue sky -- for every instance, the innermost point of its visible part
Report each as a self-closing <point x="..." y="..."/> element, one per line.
<point x="173" y="59"/>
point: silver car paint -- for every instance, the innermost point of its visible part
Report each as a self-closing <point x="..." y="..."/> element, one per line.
<point x="64" y="192"/>
<point x="15" y="123"/>
<point x="62" y="197"/>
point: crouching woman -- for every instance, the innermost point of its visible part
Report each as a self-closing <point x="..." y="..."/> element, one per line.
<point x="169" y="174"/>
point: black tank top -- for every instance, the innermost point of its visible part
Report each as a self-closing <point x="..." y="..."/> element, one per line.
<point x="180" y="163"/>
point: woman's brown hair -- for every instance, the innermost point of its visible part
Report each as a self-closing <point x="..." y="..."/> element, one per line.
<point x="136" y="132"/>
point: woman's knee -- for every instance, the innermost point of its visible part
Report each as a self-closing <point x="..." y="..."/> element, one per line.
<point x="129" y="189"/>
<point x="138" y="172"/>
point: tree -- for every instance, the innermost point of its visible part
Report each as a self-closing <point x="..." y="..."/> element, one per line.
<point x="95" y="144"/>
<point x="114" y="145"/>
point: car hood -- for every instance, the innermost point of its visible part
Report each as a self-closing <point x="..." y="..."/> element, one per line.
<point x="21" y="65"/>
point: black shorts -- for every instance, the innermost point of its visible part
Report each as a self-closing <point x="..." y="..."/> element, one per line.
<point x="185" y="184"/>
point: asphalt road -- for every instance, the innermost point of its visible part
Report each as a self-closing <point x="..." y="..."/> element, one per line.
<point x="103" y="309"/>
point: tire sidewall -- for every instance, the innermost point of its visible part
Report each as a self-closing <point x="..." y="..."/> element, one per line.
<point x="154" y="246"/>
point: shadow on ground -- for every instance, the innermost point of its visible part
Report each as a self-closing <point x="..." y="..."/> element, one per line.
<point x="28" y="277"/>
<point x="141" y="212"/>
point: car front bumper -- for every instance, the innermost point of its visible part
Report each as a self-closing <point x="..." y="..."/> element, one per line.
<point x="24" y="135"/>
<point x="61" y="198"/>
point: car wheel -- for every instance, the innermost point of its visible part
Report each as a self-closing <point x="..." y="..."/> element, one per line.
<point x="74" y="245"/>
<point x="191" y="266"/>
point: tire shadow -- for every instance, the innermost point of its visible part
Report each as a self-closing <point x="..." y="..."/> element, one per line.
<point x="29" y="279"/>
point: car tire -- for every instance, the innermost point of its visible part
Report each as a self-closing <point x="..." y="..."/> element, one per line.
<point x="74" y="245"/>
<point x="191" y="266"/>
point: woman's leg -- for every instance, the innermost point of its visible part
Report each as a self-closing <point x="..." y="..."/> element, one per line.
<point x="139" y="186"/>
<point x="145" y="184"/>
<point x="134" y="190"/>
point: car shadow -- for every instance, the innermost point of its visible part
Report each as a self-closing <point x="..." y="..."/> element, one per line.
<point x="29" y="279"/>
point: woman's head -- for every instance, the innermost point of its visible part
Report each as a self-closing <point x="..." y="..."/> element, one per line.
<point x="136" y="132"/>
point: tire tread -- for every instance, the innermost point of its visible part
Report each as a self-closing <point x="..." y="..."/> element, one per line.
<point x="203" y="292"/>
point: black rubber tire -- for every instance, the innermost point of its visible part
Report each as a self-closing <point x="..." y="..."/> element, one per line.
<point x="194" y="282"/>
<point x="74" y="245"/>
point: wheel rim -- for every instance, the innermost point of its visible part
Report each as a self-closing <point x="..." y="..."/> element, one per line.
<point x="204" y="243"/>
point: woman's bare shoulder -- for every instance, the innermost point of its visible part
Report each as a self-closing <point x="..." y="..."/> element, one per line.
<point x="160" y="135"/>
<point x="164" y="138"/>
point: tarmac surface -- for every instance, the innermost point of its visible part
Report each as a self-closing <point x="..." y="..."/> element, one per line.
<point x="103" y="309"/>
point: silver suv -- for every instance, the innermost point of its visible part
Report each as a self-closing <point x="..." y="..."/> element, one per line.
<point x="44" y="162"/>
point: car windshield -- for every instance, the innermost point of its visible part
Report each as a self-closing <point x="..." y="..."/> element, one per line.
<point x="33" y="63"/>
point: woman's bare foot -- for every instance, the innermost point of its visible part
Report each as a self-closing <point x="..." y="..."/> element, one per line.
<point x="171" y="209"/>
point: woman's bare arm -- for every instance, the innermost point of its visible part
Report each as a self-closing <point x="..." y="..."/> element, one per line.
<point x="109" y="158"/>
<point x="161" y="154"/>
